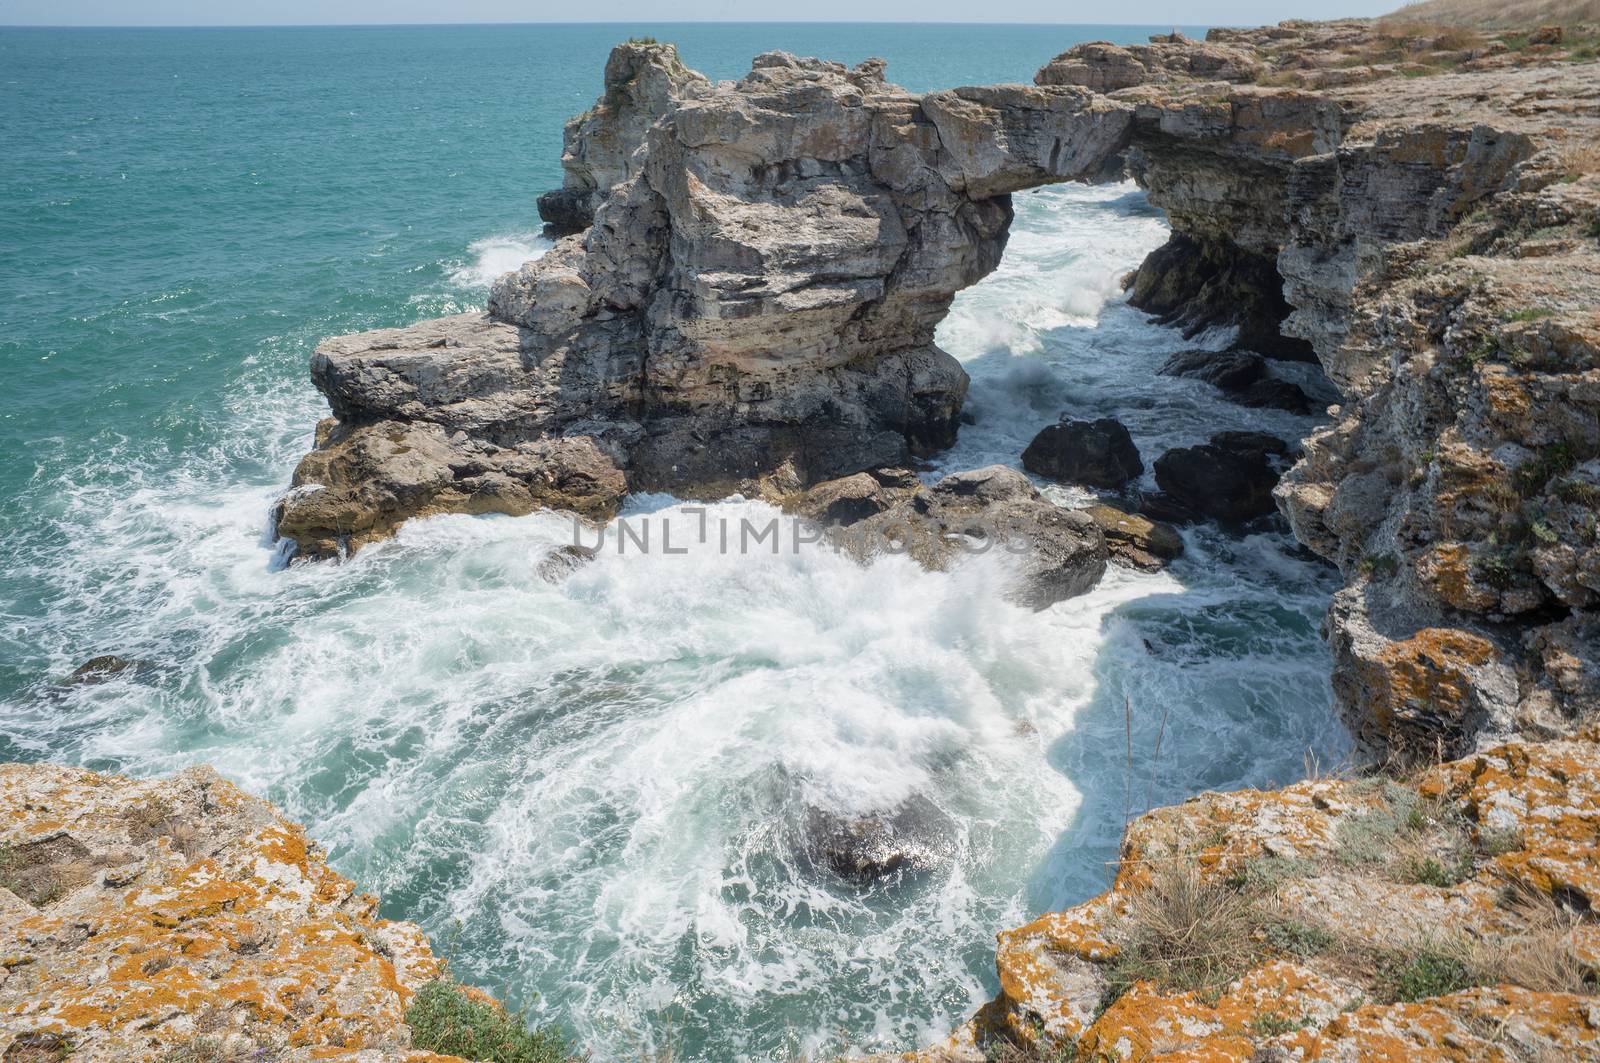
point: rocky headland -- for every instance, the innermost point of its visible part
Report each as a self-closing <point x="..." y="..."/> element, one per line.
<point x="746" y="303"/>
<point x="181" y="919"/>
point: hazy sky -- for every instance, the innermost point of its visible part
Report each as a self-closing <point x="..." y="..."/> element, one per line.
<point x="310" y="12"/>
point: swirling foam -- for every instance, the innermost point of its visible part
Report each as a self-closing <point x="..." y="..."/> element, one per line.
<point x="588" y="791"/>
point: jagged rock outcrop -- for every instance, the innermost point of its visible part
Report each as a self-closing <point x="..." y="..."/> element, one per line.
<point x="1444" y="917"/>
<point x="759" y="291"/>
<point x="146" y="919"/>
<point x="1056" y="553"/>
<point x="602" y="147"/>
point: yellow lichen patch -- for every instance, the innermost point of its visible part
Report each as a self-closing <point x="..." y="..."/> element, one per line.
<point x="225" y="923"/>
<point x="1446" y="569"/>
<point x="1432" y="670"/>
<point x="1468" y="1027"/>
<point x="1146" y="1023"/>
<point x="1548" y="794"/>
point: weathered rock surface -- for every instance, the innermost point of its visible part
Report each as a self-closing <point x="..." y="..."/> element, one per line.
<point x="1098" y="453"/>
<point x="1135" y="540"/>
<point x="758" y="289"/>
<point x="141" y="918"/>
<point x="1056" y="553"/>
<point x="1107" y="67"/>
<point x="602" y="147"/>
<point x="1441" y="918"/>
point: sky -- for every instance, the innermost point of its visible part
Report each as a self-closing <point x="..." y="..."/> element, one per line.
<point x="347" y="12"/>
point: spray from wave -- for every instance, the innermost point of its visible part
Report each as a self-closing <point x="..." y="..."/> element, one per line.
<point x="598" y="793"/>
<point x="495" y="255"/>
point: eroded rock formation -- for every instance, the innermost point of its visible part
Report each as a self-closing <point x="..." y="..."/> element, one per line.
<point x="753" y="309"/>
<point x="757" y="292"/>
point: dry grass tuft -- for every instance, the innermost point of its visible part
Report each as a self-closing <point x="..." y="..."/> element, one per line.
<point x="1523" y="13"/>
<point x="1183" y="931"/>
<point x="1544" y="957"/>
<point x="1580" y="158"/>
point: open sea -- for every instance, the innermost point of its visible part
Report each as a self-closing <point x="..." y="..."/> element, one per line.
<point x="588" y="793"/>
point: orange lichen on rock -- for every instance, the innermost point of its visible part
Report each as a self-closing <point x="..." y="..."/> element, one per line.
<point x="187" y="910"/>
<point x="1327" y="872"/>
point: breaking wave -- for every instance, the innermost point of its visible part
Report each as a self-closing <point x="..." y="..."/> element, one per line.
<point x="596" y="794"/>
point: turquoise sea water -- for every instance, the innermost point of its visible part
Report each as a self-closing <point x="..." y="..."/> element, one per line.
<point x="587" y="792"/>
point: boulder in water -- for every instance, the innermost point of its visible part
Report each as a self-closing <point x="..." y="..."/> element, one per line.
<point x="99" y="669"/>
<point x="1060" y="552"/>
<point x="1274" y="394"/>
<point x="1228" y="370"/>
<point x="913" y="837"/>
<point x="1242" y="378"/>
<point x="1097" y="453"/>
<point x="562" y="562"/>
<point x="1136" y="540"/>
<point x="1229" y="478"/>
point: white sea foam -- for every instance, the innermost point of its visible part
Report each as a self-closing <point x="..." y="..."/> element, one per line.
<point x="596" y="789"/>
<point x="494" y="255"/>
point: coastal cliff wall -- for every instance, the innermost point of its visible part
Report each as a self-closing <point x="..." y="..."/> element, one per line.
<point x="1435" y="242"/>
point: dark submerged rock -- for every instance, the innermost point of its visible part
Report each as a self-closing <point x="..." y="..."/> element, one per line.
<point x="1241" y="376"/>
<point x="1228" y="479"/>
<point x="1098" y="453"/>
<point x="1228" y="370"/>
<point x="99" y="669"/>
<point x="912" y="838"/>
